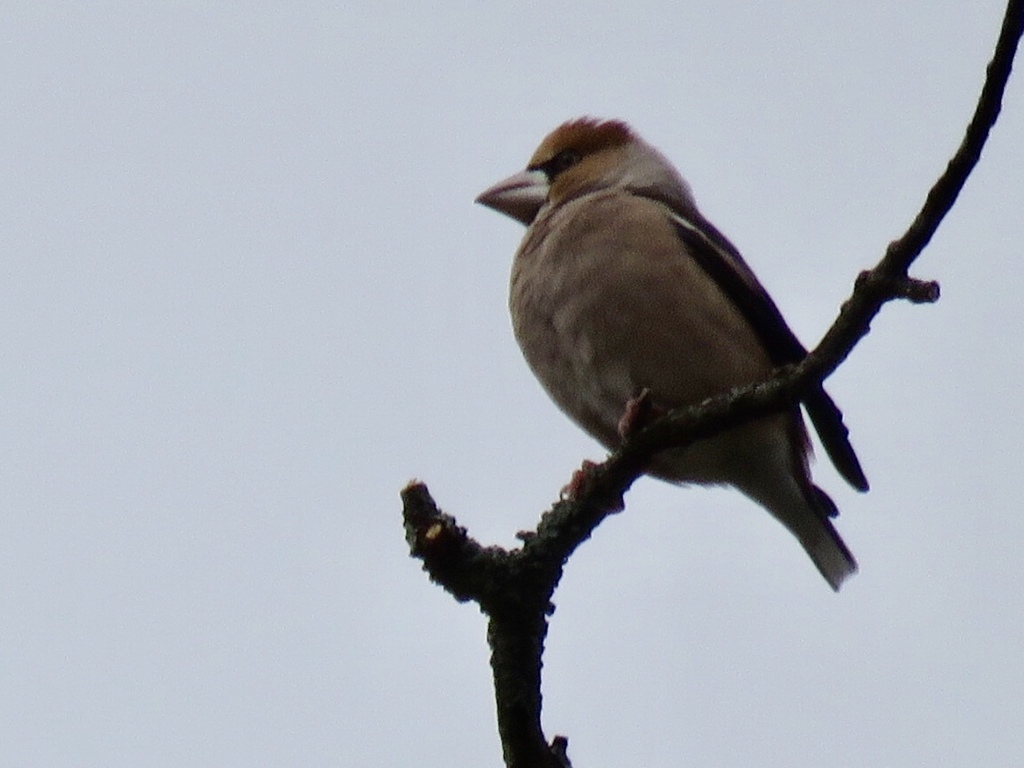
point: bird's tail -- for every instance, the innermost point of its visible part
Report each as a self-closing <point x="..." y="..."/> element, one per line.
<point x="806" y="510"/>
<point x="827" y="549"/>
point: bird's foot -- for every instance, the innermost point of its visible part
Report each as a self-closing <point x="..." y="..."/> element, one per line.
<point x="580" y="479"/>
<point x="640" y="411"/>
<point x="581" y="483"/>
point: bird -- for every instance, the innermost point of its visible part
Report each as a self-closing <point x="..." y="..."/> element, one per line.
<point x="622" y="293"/>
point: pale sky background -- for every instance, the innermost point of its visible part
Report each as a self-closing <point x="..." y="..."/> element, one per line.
<point x="246" y="296"/>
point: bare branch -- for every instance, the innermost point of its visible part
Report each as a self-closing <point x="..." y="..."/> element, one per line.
<point x="514" y="588"/>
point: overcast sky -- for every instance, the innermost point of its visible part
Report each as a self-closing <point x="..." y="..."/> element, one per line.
<point x="246" y="296"/>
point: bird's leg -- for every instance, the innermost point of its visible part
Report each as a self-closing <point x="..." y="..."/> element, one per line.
<point x="639" y="412"/>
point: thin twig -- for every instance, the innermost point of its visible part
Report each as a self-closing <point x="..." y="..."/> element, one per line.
<point x="514" y="587"/>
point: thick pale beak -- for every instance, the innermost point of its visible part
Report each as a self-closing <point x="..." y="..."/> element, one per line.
<point x="519" y="196"/>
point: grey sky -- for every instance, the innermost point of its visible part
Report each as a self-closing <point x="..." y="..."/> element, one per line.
<point x="246" y="296"/>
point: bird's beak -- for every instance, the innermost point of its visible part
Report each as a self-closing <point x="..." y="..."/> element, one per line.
<point x="519" y="196"/>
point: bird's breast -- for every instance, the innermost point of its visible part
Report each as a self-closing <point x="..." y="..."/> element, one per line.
<point x="606" y="301"/>
<point x="555" y="301"/>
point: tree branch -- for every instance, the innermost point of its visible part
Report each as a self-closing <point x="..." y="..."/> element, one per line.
<point x="514" y="587"/>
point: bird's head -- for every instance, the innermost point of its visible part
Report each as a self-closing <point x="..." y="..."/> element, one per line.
<point x="582" y="156"/>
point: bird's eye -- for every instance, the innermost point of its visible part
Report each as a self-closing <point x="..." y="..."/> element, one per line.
<point x="564" y="159"/>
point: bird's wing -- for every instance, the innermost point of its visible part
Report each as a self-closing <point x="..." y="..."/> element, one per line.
<point x="724" y="264"/>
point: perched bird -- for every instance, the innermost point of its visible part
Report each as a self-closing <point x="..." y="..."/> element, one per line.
<point x="621" y="288"/>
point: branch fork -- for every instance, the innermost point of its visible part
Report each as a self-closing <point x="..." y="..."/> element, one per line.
<point x="514" y="588"/>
